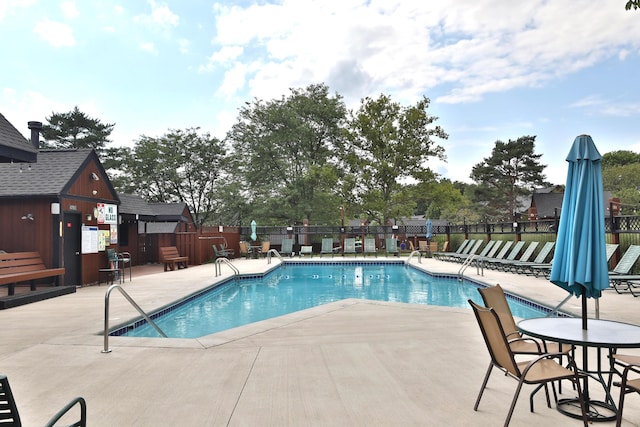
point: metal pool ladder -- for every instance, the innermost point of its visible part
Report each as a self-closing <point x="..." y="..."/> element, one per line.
<point x="273" y="251"/>
<point x="133" y="303"/>
<point x="467" y="262"/>
<point x="408" y="260"/>
<point x="220" y="260"/>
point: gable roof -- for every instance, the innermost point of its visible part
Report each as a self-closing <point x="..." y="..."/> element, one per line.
<point x="549" y="204"/>
<point x="52" y="175"/>
<point x="171" y="211"/>
<point x="14" y="146"/>
<point x="133" y="204"/>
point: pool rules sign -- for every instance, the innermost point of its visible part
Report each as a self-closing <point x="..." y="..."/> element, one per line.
<point x="107" y="214"/>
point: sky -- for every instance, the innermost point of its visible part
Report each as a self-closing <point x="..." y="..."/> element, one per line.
<point x="494" y="70"/>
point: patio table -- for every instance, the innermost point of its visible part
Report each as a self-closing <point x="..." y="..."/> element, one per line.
<point x="602" y="335"/>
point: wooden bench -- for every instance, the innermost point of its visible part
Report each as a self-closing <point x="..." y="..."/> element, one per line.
<point x="20" y="267"/>
<point x="171" y="258"/>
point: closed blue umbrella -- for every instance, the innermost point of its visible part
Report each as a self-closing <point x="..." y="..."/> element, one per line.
<point x="580" y="261"/>
<point x="429" y="230"/>
<point x="254" y="236"/>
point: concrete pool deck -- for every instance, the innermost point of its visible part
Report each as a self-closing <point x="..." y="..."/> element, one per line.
<point x="352" y="362"/>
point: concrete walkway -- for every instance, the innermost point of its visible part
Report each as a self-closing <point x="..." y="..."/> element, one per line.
<point x="352" y="362"/>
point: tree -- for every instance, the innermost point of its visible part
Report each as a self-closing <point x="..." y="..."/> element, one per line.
<point x="439" y="199"/>
<point x="76" y="130"/>
<point x="284" y="156"/>
<point x="388" y="145"/>
<point x="624" y="182"/>
<point x="180" y="166"/>
<point x="632" y="4"/>
<point x="513" y="170"/>
<point x="619" y="158"/>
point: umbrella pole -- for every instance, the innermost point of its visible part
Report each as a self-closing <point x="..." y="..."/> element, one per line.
<point x="584" y="311"/>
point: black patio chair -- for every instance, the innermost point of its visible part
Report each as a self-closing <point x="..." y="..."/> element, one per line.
<point x="9" y="411"/>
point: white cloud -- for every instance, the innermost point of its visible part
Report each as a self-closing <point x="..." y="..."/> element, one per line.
<point x="234" y="80"/>
<point x="161" y="16"/>
<point x="69" y="9"/>
<point x="55" y="33"/>
<point x="183" y="45"/>
<point x="8" y="6"/>
<point x="476" y="47"/>
<point x="21" y="107"/>
<point x="149" y="47"/>
<point x="226" y="55"/>
<point x="596" y="105"/>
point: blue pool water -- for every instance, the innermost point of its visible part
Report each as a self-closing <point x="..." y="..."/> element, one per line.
<point x="297" y="287"/>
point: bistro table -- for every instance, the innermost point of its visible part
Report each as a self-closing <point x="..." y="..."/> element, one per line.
<point x="600" y="334"/>
<point x="253" y="250"/>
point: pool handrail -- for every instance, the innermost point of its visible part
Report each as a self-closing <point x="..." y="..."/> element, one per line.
<point x="273" y="251"/>
<point x="408" y="260"/>
<point x="467" y="262"/>
<point x="236" y="272"/>
<point x="133" y="303"/>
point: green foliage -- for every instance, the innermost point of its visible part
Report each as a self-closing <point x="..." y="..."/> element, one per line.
<point x="635" y="4"/>
<point x="512" y="171"/>
<point x="76" y="130"/>
<point x="284" y="156"/>
<point x="624" y="183"/>
<point x="439" y="200"/>
<point x="180" y="166"/>
<point x="386" y="146"/>
<point x="619" y="158"/>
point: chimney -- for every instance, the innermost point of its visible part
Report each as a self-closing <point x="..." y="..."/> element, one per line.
<point x="35" y="127"/>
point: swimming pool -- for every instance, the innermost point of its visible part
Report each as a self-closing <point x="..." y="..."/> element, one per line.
<point x="304" y="285"/>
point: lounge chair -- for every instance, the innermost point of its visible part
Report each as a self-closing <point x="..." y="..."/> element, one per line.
<point x="9" y="415"/>
<point x="349" y="246"/>
<point x="287" y="247"/>
<point x="541" y="370"/>
<point x="545" y="269"/>
<point x="506" y="264"/>
<point x="391" y="246"/>
<point x="631" y="363"/>
<point x="228" y="253"/>
<point x="370" y="247"/>
<point x="444" y="253"/>
<point x="216" y="252"/>
<point x="327" y="246"/>
<point x="483" y="253"/>
<point x="470" y="251"/>
<point x="526" y="267"/>
<point x="619" y="277"/>
<point x="306" y="250"/>
<point x="464" y="249"/>
<point x="494" y="263"/>
<point x="627" y="261"/>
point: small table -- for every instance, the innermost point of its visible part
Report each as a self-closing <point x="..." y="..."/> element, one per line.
<point x="600" y="334"/>
<point x="253" y="250"/>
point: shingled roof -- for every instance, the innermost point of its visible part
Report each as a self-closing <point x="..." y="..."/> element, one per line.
<point x="14" y="146"/>
<point x="52" y="175"/>
<point x="133" y="204"/>
<point x="169" y="211"/>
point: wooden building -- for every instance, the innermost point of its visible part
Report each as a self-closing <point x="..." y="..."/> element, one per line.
<point x="62" y="206"/>
<point x="146" y="227"/>
<point x="14" y="148"/>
